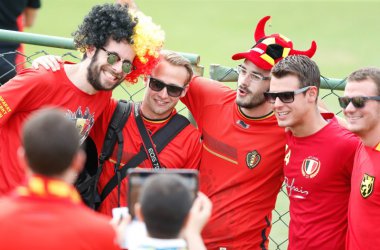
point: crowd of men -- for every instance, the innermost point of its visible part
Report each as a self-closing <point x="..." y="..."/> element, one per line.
<point x="246" y="144"/>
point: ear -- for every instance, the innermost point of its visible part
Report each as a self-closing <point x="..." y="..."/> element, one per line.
<point x="184" y="92"/>
<point x="78" y="161"/>
<point x="146" y="81"/>
<point x="313" y="94"/>
<point x="138" y="212"/>
<point x="90" y="51"/>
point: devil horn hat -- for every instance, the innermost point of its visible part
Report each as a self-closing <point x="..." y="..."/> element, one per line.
<point x="270" y="49"/>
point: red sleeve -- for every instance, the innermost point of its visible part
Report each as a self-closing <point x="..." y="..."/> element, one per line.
<point x="27" y="91"/>
<point x="202" y="93"/>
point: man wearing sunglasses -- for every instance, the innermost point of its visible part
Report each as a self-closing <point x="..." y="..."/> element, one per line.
<point x="318" y="158"/>
<point x="83" y="90"/>
<point x="243" y="150"/>
<point x="167" y="83"/>
<point x="361" y="107"/>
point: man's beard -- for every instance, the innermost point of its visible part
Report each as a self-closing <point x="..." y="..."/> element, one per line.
<point x="254" y="100"/>
<point x="93" y="75"/>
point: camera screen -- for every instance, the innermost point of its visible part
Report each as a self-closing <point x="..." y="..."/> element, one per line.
<point x="137" y="177"/>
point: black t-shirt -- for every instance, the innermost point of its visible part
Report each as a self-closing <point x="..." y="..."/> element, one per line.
<point x="11" y="9"/>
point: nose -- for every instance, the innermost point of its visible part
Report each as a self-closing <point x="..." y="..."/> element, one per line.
<point x="163" y="93"/>
<point x="244" y="79"/>
<point x="277" y="102"/>
<point x="117" y="67"/>
<point x="350" y="108"/>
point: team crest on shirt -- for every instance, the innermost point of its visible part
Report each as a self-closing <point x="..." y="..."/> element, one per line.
<point x="310" y="167"/>
<point x="253" y="159"/>
<point x="366" y="187"/>
<point x="83" y="121"/>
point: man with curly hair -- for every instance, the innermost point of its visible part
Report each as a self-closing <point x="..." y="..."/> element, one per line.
<point x="82" y="90"/>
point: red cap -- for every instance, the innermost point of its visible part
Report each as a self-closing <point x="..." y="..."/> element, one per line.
<point x="270" y="49"/>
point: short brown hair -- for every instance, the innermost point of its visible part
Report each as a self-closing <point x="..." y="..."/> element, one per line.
<point x="177" y="60"/>
<point x="50" y="142"/>
<point x="371" y="73"/>
<point x="305" y="69"/>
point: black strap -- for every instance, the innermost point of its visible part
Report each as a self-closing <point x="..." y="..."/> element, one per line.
<point x="114" y="130"/>
<point x="113" y="134"/>
<point x="161" y="138"/>
<point x="150" y="150"/>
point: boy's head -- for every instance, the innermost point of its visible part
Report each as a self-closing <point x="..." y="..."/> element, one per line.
<point x="164" y="204"/>
<point x="51" y="143"/>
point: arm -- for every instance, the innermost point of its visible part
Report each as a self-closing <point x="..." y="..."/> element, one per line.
<point x="203" y="92"/>
<point x="30" y="15"/>
<point x="30" y="12"/>
<point x="27" y="91"/>
<point x="199" y="214"/>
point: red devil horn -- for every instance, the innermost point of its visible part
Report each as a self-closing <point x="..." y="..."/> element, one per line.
<point x="309" y="53"/>
<point x="260" y="32"/>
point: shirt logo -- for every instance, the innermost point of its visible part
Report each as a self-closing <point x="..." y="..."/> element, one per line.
<point x="83" y="121"/>
<point x="310" y="167"/>
<point x="366" y="187"/>
<point x="253" y="159"/>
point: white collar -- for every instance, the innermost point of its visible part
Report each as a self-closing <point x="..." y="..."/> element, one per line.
<point x="160" y="243"/>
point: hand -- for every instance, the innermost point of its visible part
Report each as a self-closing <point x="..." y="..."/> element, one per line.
<point x="131" y="3"/>
<point x="48" y="62"/>
<point x="120" y="225"/>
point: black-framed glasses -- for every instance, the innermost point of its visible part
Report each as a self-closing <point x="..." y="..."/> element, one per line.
<point x="158" y="85"/>
<point x="255" y="77"/>
<point x="113" y="58"/>
<point x="357" y="101"/>
<point x="285" y="97"/>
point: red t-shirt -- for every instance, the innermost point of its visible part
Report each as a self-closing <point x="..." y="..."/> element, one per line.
<point x="48" y="214"/>
<point x="241" y="167"/>
<point x="364" y="206"/>
<point x="182" y="152"/>
<point x="32" y="90"/>
<point x="317" y="175"/>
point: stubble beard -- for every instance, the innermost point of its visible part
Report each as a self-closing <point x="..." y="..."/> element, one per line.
<point x="250" y="101"/>
<point x="93" y="75"/>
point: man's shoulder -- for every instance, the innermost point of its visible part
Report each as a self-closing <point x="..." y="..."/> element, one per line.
<point x="38" y="77"/>
<point x="210" y="88"/>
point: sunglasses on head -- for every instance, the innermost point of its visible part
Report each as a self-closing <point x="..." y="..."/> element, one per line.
<point x="158" y="85"/>
<point x="113" y="58"/>
<point x="357" y="101"/>
<point x="285" y="97"/>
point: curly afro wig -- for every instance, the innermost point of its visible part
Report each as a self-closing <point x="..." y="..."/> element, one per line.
<point x="103" y="22"/>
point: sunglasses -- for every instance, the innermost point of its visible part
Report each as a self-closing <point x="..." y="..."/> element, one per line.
<point x="157" y="85"/>
<point x="285" y="97"/>
<point x="113" y="58"/>
<point x="254" y="77"/>
<point x="357" y="101"/>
